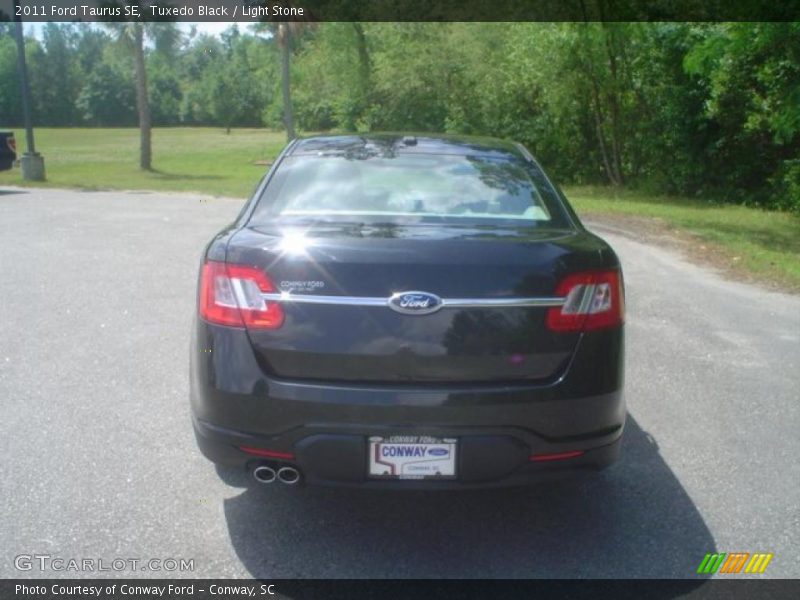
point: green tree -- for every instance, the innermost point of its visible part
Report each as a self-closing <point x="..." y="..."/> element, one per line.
<point x="751" y="73"/>
<point x="54" y="76"/>
<point x="10" y="107"/>
<point x="232" y="94"/>
<point x="332" y="77"/>
<point x="165" y="90"/>
<point x="107" y="98"/>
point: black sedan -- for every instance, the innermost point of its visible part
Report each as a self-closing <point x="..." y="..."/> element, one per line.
<point x="408" y="312"/>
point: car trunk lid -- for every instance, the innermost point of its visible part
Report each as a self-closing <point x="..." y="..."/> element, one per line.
<point x="339" y="324"/>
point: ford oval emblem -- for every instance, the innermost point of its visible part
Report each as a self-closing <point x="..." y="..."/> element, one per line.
<point x="438" y="452"/>
<point x="415" y="303"/>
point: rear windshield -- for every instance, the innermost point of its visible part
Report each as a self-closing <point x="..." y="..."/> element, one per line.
<point x="407" y="188"/>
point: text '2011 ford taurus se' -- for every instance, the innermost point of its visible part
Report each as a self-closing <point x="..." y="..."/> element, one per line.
<point x="408" y="312"/>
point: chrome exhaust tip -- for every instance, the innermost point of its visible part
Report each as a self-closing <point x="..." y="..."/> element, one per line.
<point x="289" y="475"/>
<point x="264" y="474"/>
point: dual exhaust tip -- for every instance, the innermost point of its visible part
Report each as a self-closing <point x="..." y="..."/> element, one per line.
<point x="267" y="474"/>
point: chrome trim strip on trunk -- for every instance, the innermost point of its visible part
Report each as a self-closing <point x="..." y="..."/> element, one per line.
<point x="289" y="298"/>
<point x="500" y="302"/>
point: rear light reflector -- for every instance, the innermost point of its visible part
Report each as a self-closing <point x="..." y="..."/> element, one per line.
<point x="555" y="456"/>
<point x="593" y="300"/>
<point x="267" y="453"/>
<point x="232" y="295"/>
<point x="12" y="143"/>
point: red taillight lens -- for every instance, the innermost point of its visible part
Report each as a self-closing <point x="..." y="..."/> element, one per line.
<point x="594" y="300"/>
<point x="12" y="143"/>
<point x="231" y="295"/>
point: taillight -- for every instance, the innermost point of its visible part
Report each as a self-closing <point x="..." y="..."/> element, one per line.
<point x="232" y="295"/>
<point x="12" y="143"/>
<point x="594" y="300"/>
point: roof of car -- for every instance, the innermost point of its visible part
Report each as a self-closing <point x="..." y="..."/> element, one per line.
<point x="405" y="143"/>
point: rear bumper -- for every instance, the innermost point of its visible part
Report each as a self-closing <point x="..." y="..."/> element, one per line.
<point x="337" y="456"/>
<point x="325" y="427"/>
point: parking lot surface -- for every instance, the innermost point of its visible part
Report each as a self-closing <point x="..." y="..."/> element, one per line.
<point x="99" y="461"/>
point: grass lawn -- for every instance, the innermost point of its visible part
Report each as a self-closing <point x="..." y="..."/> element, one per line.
<point x="207" y="160"/>
<point x="761" y="243"/>
<point x="184" y="159"/>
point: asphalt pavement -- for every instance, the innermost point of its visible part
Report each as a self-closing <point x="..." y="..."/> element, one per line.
<point x="98" y="460"/>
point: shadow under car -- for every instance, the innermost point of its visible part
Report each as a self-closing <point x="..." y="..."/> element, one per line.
<point x="634" y="520"/>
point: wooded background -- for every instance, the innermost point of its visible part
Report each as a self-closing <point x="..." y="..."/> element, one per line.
<point x="705" y="110"/>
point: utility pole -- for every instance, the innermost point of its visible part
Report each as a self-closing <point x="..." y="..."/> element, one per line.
<point x="31" y="162"/>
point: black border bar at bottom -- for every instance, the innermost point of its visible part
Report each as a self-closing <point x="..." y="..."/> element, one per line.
<point x="399" y="589"/>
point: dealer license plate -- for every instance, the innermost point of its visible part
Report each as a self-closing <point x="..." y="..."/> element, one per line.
<point x="412" y="457"/>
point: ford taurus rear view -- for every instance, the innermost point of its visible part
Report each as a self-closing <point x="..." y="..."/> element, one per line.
<point x="408" y="312"/>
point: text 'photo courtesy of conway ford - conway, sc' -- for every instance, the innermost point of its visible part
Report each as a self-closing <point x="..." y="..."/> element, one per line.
<point x="408" y="312"/>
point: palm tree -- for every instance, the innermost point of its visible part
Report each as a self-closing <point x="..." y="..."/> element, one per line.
<point x="142" y="99"/>
<point x="284" y="33"/>
<point x="132" y="34"/>
<point x="284" y="38"/>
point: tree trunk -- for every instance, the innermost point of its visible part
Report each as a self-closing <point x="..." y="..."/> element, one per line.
<point x="142" y="101"/>
<point x="364" y="76"/>
<point x="616" y="152"/>
<point x="285" y="39"/>
<point x="614" y="101"/>
<point x="601" y="140"/>
<point x="365" y="67"/>
<point x="599" y="120"/>
<point x="588" y="65"/>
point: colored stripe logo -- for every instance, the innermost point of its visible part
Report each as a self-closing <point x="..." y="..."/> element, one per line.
<point x="734" y="562"/>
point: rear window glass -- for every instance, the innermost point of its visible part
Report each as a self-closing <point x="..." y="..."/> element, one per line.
<point x="410" y="187"/>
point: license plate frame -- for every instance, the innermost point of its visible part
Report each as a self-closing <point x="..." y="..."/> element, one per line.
<point x="409" y="457"/>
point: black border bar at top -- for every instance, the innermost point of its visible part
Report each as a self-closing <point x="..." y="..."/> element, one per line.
<point x="247" y="11"/>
